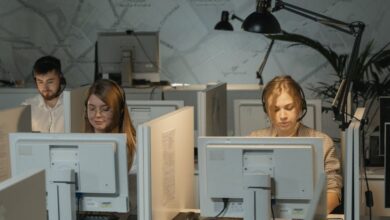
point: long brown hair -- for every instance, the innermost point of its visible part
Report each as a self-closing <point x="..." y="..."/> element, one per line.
<point x="113" y="95"/>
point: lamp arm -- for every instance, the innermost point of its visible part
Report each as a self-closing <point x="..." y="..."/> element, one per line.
<point x="234" y="16"/>
<point x="339" y="104"/>
<point x="325" y="20"/>
<point x="259" y="72"/>
<point x="356" y="29"/>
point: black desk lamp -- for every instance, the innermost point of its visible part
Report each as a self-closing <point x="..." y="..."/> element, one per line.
<point x="262" y="21"/>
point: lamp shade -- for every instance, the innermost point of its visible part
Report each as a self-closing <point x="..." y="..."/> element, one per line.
<point x="224" y="23"/>
<point x="261" y="22"/>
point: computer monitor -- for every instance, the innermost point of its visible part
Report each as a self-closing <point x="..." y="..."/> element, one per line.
<point x="92" y="165"/>
<point x="384" y="146"/>
<point x="165" y="165"/>
<point x="249" y="116"/>
<point x="123" y="56"/>
<point x="23" y="196"/>
<point x="146" y="110"/>
<point x="250" y="173"/>
<point x="17" y="119"/>
<point x="239" y="91"/>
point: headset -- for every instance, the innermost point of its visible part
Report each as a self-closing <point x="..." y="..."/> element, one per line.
<point x="122" y="94"/>
<point x="301" y="96"/>
<point x="46" y="64"/>
<point x="118" y="89"/>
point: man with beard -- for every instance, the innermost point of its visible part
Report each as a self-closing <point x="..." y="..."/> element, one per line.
<point x="47" y="110"/>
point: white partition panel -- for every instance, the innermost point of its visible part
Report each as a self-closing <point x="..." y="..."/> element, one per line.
<point x="13" y="97"/>
<point x="212" y="112"/>
<point x="74" y="109"/>
<point x="23" y="197"/>
<point x="16" y="119"/>
<point x="165" y="157"/>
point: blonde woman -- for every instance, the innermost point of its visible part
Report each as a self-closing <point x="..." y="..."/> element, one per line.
<point x="284" y="103"/>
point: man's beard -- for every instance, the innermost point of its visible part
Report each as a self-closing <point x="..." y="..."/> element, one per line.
<point x="50" y="96"/>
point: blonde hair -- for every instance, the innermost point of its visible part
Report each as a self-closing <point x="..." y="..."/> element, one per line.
<point x="280" y="84"/>
<point x="113" y="96"/>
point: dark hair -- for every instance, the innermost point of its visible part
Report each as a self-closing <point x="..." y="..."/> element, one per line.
<point x="46" y="64"/>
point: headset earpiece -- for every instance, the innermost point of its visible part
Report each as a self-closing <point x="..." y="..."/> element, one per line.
<point x="62" y="79"/>
<point x="123" y="98"/>
<point x="303" y="103"/>
<point x="263" y="101"/>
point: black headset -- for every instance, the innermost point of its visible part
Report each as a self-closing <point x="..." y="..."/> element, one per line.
<point x="122" y="94"/>
<point x="46" y="64"/>
<point x="301" y="96"/>
<point x="122" y="98"/>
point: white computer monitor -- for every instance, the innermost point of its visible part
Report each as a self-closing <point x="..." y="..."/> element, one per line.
<point x="23" y="196"/>
<point x="92" y="165"/>
<point x="145" y="110"/>
<point x="165" y="165"/>
<point x="128" y="56"/>
<point x="239" y="91"/>
<point x="17" y="119"/>
<point x="249" y="115"/>
<point x="253" y="172"/>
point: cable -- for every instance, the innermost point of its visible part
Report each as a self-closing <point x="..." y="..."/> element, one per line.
<point x="78" y="197"/>
<point x="363" y="120"/>
<point x="368" y="194"/>
<point x="272" y="208"/>
<point x="152" y="92"/>
<point x="225" y="204"/>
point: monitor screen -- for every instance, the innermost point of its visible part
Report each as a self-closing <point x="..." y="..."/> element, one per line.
<point x="242" y="176"/>
<point x="92" y="165"/>
<point x="129" y="56"/>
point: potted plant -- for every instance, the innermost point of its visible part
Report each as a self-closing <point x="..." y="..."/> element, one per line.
<point x="370" y="80"/>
